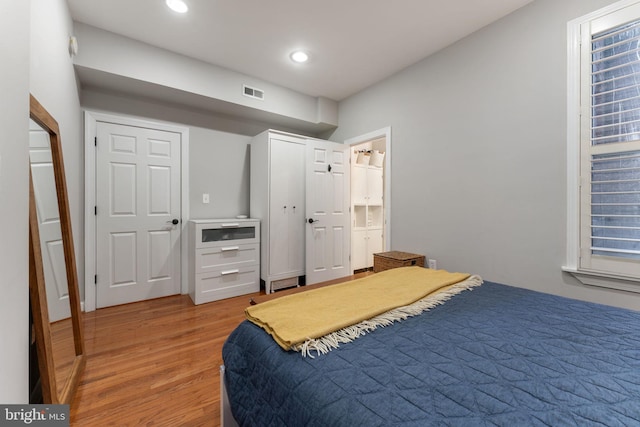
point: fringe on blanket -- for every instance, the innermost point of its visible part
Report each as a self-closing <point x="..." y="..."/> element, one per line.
<point x="325" y="344"/>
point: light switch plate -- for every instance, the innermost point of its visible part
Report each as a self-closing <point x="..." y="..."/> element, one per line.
<point x="205" y="198"/>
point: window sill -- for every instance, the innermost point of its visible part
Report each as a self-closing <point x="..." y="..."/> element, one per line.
<point x="605" y="280"/>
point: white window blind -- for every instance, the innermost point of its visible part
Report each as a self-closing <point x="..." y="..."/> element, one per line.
<point x="603" y="147"/>
<point x="615" y="133"/>
<point x="615" y="205"/>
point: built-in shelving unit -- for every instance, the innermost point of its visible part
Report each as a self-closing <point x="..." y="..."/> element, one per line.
<point x="367" y="208"/>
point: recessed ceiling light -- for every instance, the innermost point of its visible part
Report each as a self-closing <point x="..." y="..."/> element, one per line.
<point x="178" y="6"/>
<point x="299" y="56"/>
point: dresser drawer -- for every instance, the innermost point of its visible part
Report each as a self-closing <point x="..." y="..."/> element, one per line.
<point x="227" y="283"/>
<point x="228" y="256"/>
<point x="226" y="233"/>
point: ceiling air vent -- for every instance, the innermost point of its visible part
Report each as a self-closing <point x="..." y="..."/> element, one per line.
<point x="252" y="92"/>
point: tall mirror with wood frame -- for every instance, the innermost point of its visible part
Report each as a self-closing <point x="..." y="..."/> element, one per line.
<point x="53" y="278"/>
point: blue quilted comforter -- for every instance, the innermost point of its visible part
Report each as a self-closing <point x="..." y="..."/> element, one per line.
<point x="494" y="356"/>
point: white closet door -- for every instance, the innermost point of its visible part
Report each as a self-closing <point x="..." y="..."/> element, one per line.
<point x="138" y="197"/>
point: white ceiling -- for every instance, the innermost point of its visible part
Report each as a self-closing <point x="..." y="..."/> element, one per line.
<point x="352" y="43"/>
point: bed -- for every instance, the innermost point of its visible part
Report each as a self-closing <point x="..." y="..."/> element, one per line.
<point x="494" y="355"/>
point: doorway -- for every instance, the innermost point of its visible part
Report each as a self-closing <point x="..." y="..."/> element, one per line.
<point x="370" y="197"/>
<point x="136" y="194"/>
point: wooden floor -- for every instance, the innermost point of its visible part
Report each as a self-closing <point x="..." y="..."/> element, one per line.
<point x="157" y="362"/>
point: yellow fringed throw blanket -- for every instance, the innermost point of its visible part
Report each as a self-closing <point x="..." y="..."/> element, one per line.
<point x="322" y="318"/>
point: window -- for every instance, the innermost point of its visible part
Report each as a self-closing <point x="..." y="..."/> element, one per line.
<point x="604" y="147"/>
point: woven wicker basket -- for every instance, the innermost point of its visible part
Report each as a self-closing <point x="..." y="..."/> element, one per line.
<point x="394" y="259"/>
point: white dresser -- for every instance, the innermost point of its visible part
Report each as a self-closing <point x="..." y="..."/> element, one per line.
<point x="224" y="258"/>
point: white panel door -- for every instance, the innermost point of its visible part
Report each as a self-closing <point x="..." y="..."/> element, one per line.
<point x="44" y="187"/>
<point x="138" y="202"/>
<point x="327" y="210"/>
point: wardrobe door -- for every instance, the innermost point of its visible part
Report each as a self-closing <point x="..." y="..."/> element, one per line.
<point x="296" y="215"/>
<point x="278" y="207"/>
<point x="286" y="245"/>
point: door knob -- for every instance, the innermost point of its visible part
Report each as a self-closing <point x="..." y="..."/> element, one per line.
<point x="175" y="221"/>
<point x="311" y="220"/>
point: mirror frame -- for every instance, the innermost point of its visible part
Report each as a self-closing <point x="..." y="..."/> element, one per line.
<point x="37" y="290"/>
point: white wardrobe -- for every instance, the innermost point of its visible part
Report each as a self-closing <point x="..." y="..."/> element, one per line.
<point x="277" y="197"/>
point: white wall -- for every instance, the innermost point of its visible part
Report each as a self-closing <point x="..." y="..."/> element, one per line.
<point x="218" y="166"/>
<point x="53" y="83"/>
<point x="33" y="40"/>
<point x="105" y="56"/>
<point x="14" y="205"/>
<point x="479" y="151"/>
<point x="218" y="150"/>
<point x="126" y="104"/>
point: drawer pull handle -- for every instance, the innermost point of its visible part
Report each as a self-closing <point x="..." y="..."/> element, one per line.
<point x="234" y="224"/>
<point x="230" y="248"/>
<point x="226" y="273"/>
